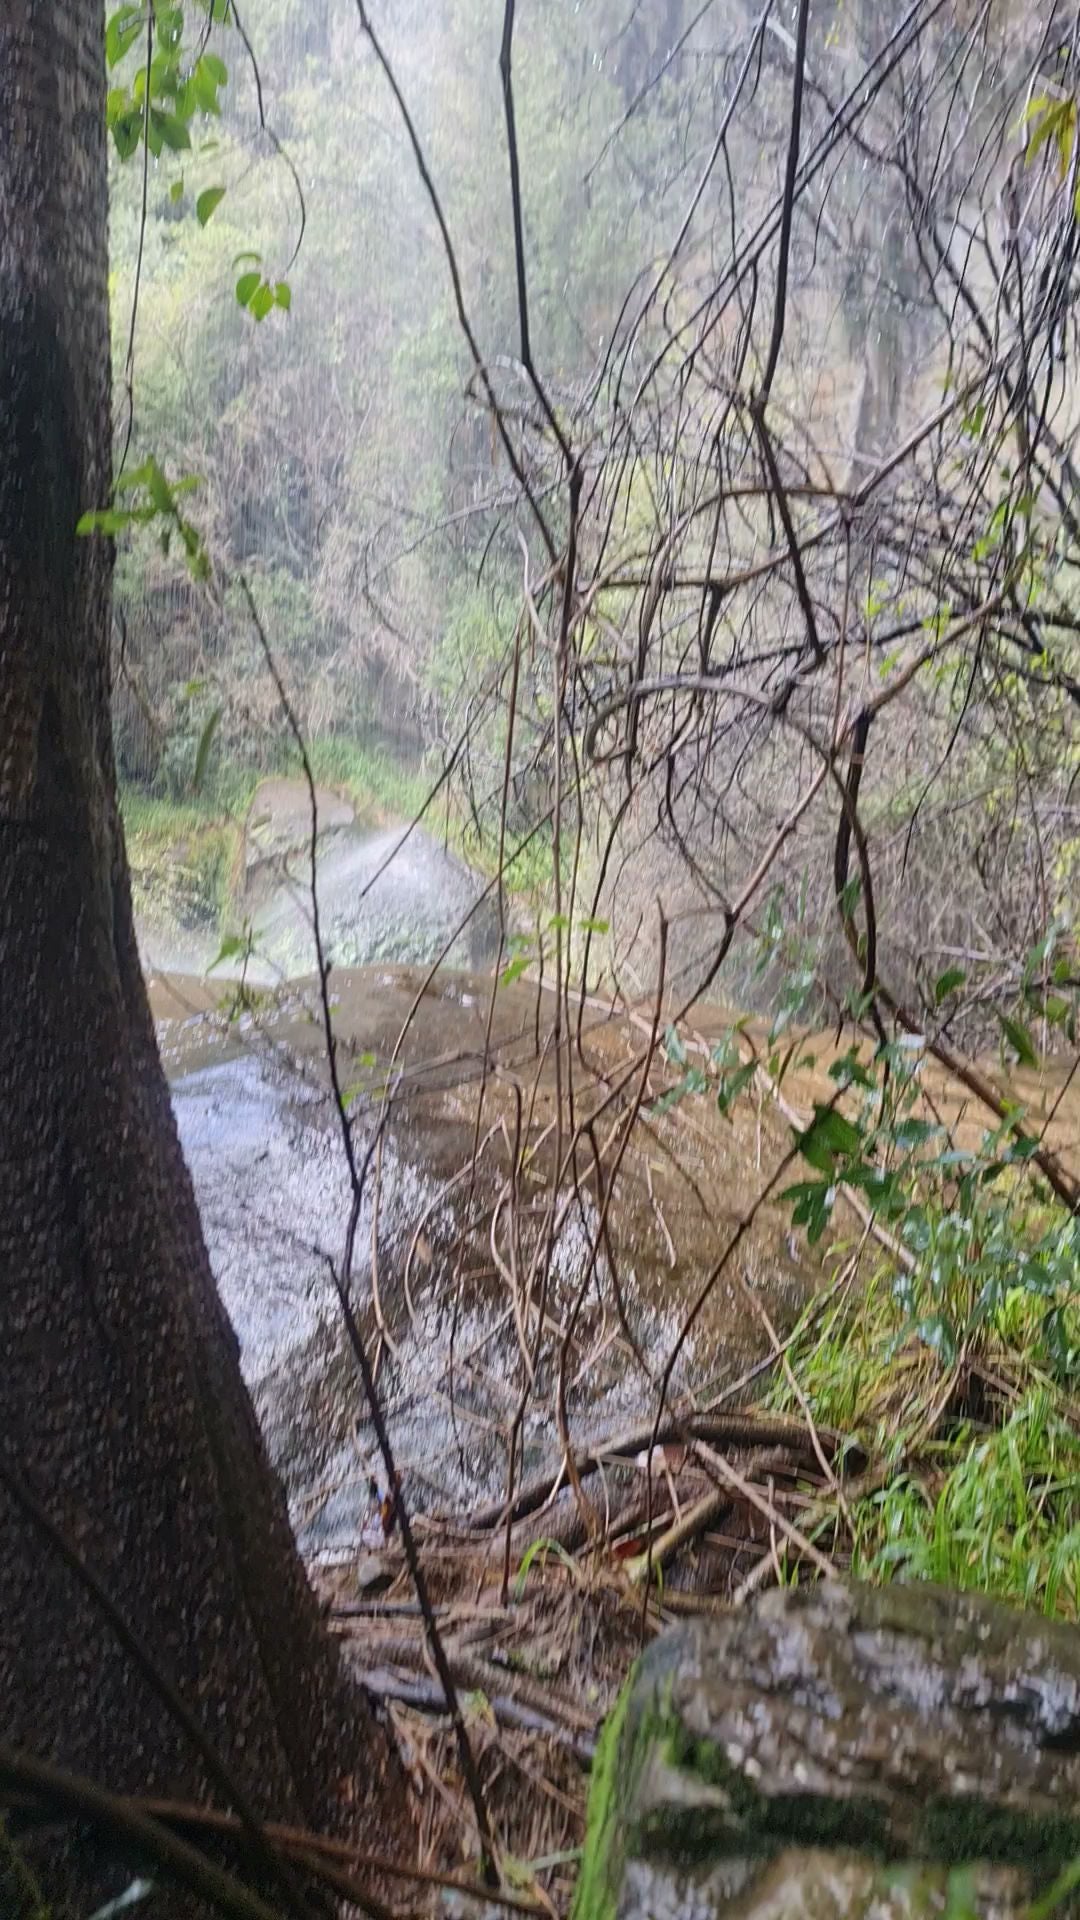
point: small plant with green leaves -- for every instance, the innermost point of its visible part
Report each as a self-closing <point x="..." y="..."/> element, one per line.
<point x="152" y="499"/>
<point x="527" y="951"/>
<point x="954" y="1358"/>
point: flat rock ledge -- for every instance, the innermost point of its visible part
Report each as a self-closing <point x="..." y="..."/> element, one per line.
<point x="840" y="1751"/>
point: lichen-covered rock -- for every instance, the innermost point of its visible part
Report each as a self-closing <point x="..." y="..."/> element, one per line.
<point x="839" y="1750"/>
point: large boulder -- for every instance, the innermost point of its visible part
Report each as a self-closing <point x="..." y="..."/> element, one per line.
<point x="839" y="1750"/>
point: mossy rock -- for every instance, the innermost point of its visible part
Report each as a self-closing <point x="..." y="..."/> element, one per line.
<point x="839" y="1750"/>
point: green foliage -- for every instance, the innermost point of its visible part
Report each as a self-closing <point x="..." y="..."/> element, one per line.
<point x="1002" y="1517"/>
<point x="984" y="1287"/>
<point x="259" y="295"/>
<point x="541" y="1549"/>
<point x="381" y="785"/>
<point x="172" y="83"/>
<point x="155" y="500"/>
<point x="327" y="446"/>
<point x="209" y="199"/>
<point x="183" y="857"/>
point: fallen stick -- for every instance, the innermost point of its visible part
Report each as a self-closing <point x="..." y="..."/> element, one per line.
<point x="743" y="1428"/>
<point x="693" y="1521"/>
<point x="429" y="1697"/>
<point x="697" y="1518"/>
<point x="185" y="1817"/>
<point x="482" y="1676"/>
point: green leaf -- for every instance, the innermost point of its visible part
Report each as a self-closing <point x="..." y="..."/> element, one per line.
<point x="813" y="1204"/>
<point x="176" y="191"/>
<point x="232" y="945"/>
<point x="849" y="1071"/>
<point x="204" y="87"/>
<point x="158" y="487"/>
<point x="544" y="1547"/>
<point x="940" y="1334"/>
<point x="670" y="1099"/>
<point x="165" y="80"/>
<point x="107" y="520"/>
<point x="828" y="1135"/>
<point x="246" y="287"/>
<point x="283" y="295"/>
<point x="132" y="479"/>
<point x="1057" y="121"/>
<point x="732" y="1085"/>
<point x="206" y="741"/>
<point x="947" y="983"/>
<point x="216" y="66"/>
<point x="1020" y="1040"/>
<point x="239" y="257"/>
<point x="121" y="32"/>
<point x="913" y="1133"/>
<point x="262" y="301"/>
<point x="210" y="198"/>
<point x="961" y="1895"/>
<point x="168" y="130"/>
<point x="127" y="131"/>
<point x="594" y="926"/>
<point x="514" y="970"/>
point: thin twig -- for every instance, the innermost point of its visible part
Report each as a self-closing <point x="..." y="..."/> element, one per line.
<point x="341" y="1281"/>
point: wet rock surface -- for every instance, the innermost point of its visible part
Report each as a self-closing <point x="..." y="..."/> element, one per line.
<point x="263" y="1144"/>
<point x="277" y="829"/>
<point x="835" y="1751"/>
<point x="386" y="895"/>
<point x="382" y="898"/>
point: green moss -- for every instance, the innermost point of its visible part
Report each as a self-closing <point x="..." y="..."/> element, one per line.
<point x="748" y="1822"/>
<point x="955" y="1831"/>
<point x="951" y="1830"/>
<point x="734" y="1819"/>
<point x="184" y="859"/>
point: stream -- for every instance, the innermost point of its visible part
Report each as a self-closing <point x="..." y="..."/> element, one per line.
<point x="435" y="1286"/>
<point x="449" y="1265"/>
<point x="262" y="1140"/>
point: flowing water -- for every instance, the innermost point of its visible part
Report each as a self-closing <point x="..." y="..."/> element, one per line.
<point x="384" y="895"/>
<point x="262" y="1140"/>
<point x="441" y="1253"/>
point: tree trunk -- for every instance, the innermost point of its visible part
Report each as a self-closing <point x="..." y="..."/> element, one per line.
<point x="121" y="1400"/>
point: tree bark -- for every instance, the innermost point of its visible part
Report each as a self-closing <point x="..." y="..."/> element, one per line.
<point x="121" y="1400"/>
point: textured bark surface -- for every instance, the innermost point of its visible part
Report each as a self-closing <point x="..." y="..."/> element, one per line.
<point x="120" y="1395"/>
<point x="778" y="1762"/>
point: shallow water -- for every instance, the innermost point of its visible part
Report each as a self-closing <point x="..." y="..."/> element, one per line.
<point x="262" y="1140"/>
